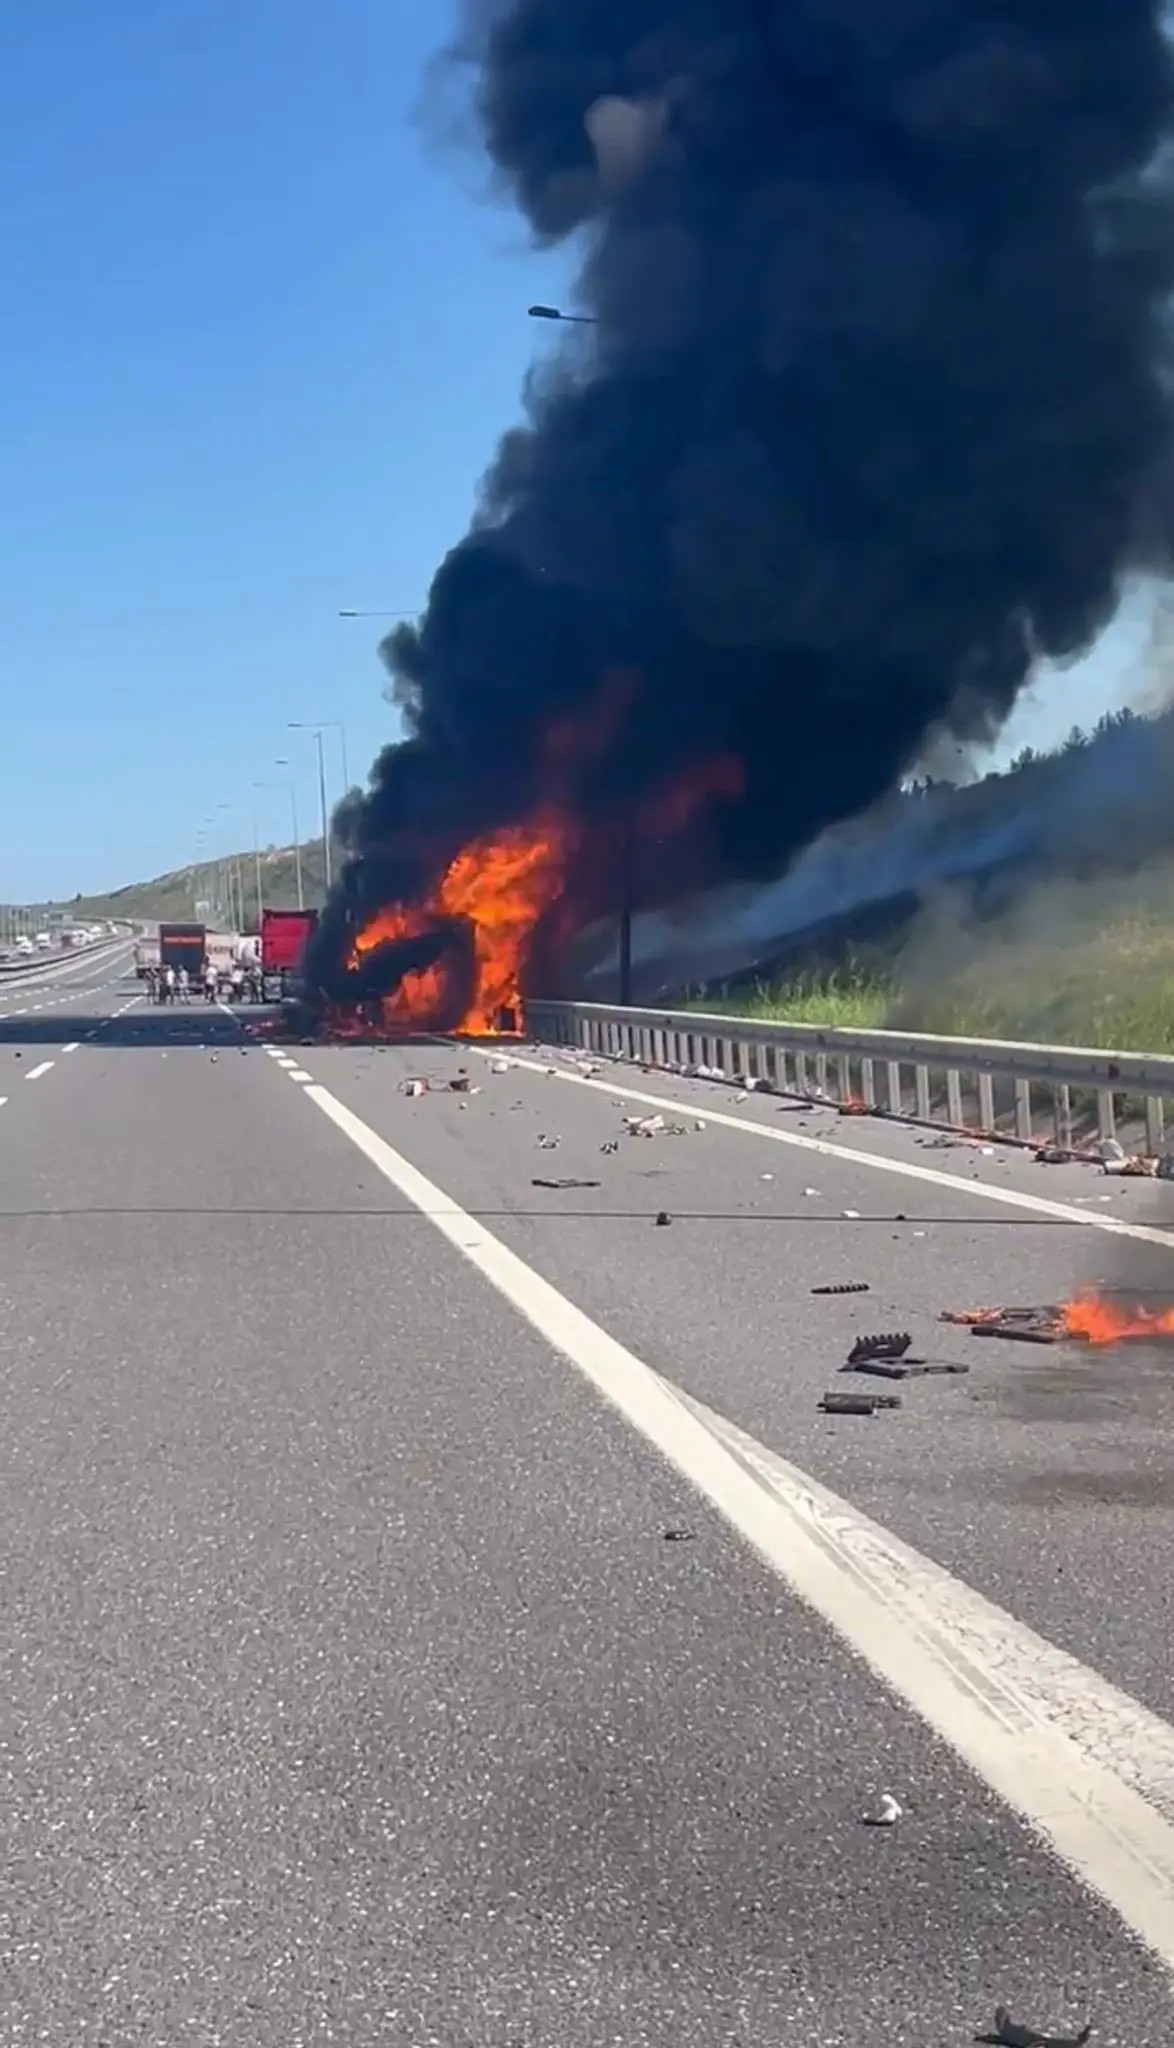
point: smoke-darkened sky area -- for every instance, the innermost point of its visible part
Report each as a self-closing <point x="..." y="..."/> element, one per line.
<point x="876" y="411"/>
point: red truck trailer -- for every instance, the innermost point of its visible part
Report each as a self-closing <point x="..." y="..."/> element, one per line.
<point x="285" y="934"/>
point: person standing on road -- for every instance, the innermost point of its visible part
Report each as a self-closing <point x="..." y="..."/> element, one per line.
<point x="209" y="983"/>
<point x="184" y="985"/>
<point x="169" y="985"/>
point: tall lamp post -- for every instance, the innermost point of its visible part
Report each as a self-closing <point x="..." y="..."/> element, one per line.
<point x="299" y="725"/>
<point x="291" y="792"/>
<point x="236" y="906"/>
<point x="556" y="313"/>
<point x="627" y="894"/>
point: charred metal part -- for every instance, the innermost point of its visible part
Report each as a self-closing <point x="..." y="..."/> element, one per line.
<point x="886" y="1344"/>
<point x="858" y="1404"/>
<point x="844" y="1287"/>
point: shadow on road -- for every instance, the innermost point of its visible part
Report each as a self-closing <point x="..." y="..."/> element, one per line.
<point x="142" y="1029"/>
<point x="154" y="1027"/>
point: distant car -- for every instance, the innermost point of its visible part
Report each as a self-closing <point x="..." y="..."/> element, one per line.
<point x="43" y="942"/>
<point x="24" y="944"/>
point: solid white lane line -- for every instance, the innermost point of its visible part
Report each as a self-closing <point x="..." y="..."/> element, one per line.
<point x="913" y="1623"/>
<point x="1009" y="1198"/>
<point x="34" y="1073"/>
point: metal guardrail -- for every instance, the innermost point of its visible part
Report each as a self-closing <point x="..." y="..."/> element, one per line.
<point x="975" y="1084"/>
<point x="42" y="963"/>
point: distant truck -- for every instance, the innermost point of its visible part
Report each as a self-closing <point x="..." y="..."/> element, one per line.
<point x="183" y="945"/>
<point x="146" y="956"/>
<point x="285" y="934"/>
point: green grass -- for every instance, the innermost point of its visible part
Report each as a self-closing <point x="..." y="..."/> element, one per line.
<point x="849" y="996"/>
<point x="1111" y="986"/>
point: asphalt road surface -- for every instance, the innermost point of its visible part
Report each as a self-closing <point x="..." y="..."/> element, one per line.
<point x="437" y="1612"/>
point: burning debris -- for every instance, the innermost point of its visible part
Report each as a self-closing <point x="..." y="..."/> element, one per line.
<point x="873" y="415"/>
<point x="1088" y="1319"/>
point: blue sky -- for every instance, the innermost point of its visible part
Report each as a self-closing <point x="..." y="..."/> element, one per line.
<point x="258" y="337"/>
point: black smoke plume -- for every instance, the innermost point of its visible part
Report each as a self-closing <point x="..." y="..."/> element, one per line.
<point x="876" y="410"/>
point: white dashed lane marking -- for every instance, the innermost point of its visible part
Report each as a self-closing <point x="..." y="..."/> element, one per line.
<point x="70" y="1048"/>
<point x="34" y="1073"/>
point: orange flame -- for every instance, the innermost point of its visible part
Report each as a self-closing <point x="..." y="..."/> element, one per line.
<point x="501" y="885"/>
<point x="1099" y="1321"/>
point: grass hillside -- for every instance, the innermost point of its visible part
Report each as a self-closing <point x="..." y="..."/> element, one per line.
<point x="176" y="895"/>
<point x="1070" y="962"/>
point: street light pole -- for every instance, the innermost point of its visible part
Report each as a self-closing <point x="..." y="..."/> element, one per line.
<point x="300" y="725"/>
<point x="627" y="892"/>
<point x="556" y="313"/>
<point x="290" y="791"/>
<point x="257" y="864"/>
<point x="325" y="814"/>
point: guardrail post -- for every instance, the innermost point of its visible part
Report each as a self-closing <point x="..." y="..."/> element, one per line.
<point x="1024" y="1127"/>
<point x="1106" y="1113"/>
<point x="1155" y="1124"/>
<point x="986" y="1102"/>
<point x="1063" y="1115"/>
<point x="921" y="1085"/>
<point x="896" y="1093"/>
<point x="954" y="1111"/>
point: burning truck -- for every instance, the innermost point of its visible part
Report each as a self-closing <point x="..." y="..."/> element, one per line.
<point x="868" y="411"/>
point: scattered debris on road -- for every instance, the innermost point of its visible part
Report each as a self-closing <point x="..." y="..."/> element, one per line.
<point x="1136" y="1166"/>
<point x="1008" y="2034"/>
<point x="663" y="1219"/>
<point x="460" y="1084"/>
<point x="413" y="1087"/>
<point x="548" y="1144"/>
<point x="499" y="1066"/>
<point x="680" y="1536"/>
<point x="850" y="1215"/>
<point x="885" y="1344"/>
<point x="568" y="1183"/>
<point x="843" y="1287"/>
<point x="858" y="1404"/>
<point x="909" y="1368"/>
<point x="887" y="1815"/>
<point x="610" y="1145"/>
<point x="1040" y="1324"/>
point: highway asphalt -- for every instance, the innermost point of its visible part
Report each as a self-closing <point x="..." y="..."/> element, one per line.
<point x="370" y="1679"/>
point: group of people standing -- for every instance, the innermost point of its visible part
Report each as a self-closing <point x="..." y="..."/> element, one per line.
<point x="174" y="984"/>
